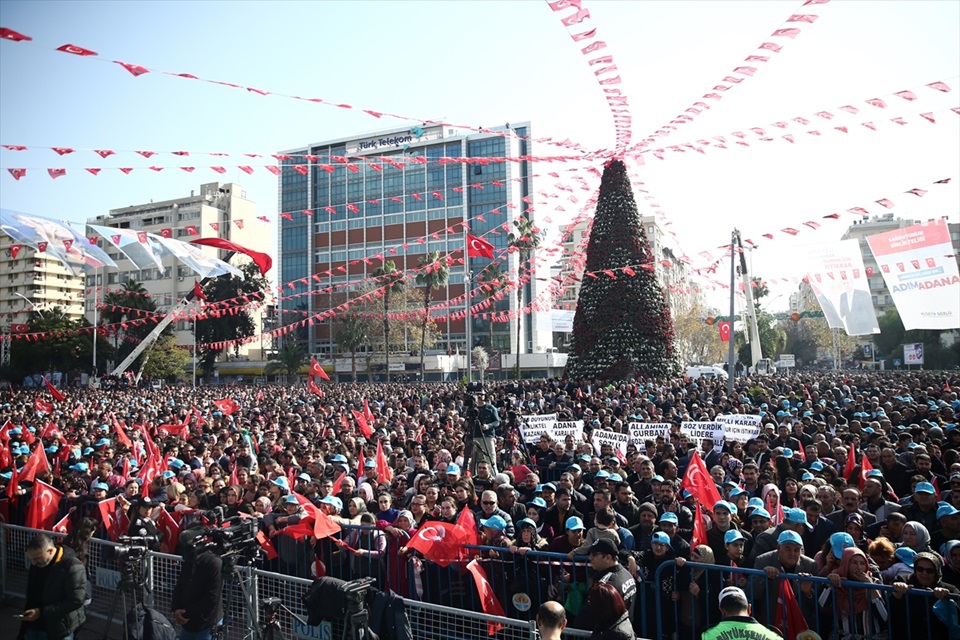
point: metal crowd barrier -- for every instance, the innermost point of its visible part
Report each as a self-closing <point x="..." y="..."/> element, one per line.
<point x="822" y="612"/>
<point x="429" y="620"/>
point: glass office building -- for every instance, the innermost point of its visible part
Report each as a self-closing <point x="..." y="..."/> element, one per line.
<point x="346" y="203"/>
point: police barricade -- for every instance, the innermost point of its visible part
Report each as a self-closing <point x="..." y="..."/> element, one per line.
<point x="244" y="592"/>
<point x="793" y="603"/>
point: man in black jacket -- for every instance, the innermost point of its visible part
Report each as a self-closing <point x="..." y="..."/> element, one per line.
<point x="196" y="598"/>
<point x="56" y="589"/>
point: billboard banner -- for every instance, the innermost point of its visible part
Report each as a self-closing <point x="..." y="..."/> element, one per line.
<point x="839" y="281"/>
<point x="913" y="353"/>
<point x="561" y="320"/>
<point x="920" y="270"/>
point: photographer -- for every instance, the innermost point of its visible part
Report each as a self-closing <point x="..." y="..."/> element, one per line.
<point x="196" y="597"/>
<point x="484" y="431"/>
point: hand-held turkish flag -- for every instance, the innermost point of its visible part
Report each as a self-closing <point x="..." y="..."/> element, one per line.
<point x="468" y="523"/>
<point x="267" y="546"/>
<point x="366" y="411"/>
<point x="697" y="481"/>
<point x="439" y="542"/>
<point x="789" y="616"/>
<point x="478" y="247"/>
<point x="724" y="327"/>
<point x="227" y="405"/>
<point x="365" y="428"/>
<point x="42" y="406"/>
<point x="122" y="437"/>
<point x="114" y="519"/>
<point x="317" y="370"/>
<point x="313" y="388"/>
<point x="169" y="532"/>
<point x="324" y="526"/>
<point x="851" y="463"/>
<point x="866" y="467"/>
<point x="56" y="393"/>
<point x="699" y="528"/>
<point x="63" y="526"/>
<point x="36" y="464"/>
<point x="488" y="599"/>
<point x="13" y="484"/>
<point x="384" y="472"/>
<point x="198" y="291"/>
<point x="42" y="513"/>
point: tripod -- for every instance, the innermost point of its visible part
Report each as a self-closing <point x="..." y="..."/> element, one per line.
<point x="132" y="581"/>
<point x="243" y="578"/>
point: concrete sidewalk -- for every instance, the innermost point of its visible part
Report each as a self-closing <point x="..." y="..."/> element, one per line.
<point x="91" y="630"/>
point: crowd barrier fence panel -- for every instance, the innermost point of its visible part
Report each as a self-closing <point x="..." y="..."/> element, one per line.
<point x="824" y="609"/>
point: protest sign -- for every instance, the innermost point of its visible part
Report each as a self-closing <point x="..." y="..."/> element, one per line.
<point x="640" y="432"/>
<point x="535" y="426"/>
<point x="740" y="427"/>
<point x="560" y="430"/>
<point x="698" y="431"/>
<point x="617" y="440"/>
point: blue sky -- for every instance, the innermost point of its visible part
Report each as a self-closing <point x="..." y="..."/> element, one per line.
<point x="487" y="63"/>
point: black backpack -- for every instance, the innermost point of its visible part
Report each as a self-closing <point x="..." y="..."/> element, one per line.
<point x="145" y="623"/>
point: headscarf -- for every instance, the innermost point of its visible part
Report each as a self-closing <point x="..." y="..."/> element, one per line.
<point x="947" y="548"/>
<point x="706" y="557"/>
<point x="923" y="536"/>
<point x="937" y="567"/>
<point x="776" y="514"/>
<point x="859" y="597"/>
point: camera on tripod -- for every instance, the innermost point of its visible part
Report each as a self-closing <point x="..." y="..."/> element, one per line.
<point x="230" y="538"/>
<point x="131" y="555"/>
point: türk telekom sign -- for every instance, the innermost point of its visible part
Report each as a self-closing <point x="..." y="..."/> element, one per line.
<point x="393" y="141"/>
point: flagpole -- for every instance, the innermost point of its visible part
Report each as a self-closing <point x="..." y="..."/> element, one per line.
<point x="96" y="320"/>
<point x="468" y="277"/>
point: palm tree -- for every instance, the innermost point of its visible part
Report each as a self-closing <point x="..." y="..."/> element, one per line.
<point x="526" y="239"/>
<point x="287" y="361"/>
<point x="491" y="281"/>
<point x="433" y="275"/>
<point x="391" y="281"/>
<point x="351" y="337"/>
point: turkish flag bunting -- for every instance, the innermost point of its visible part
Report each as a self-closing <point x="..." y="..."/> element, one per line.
<point x="42" y="513"/>
<point x="56" y="393"/>
<point x="198" y="291"/>
<point x="697" y="481"/>
<point x="37" y="463"/>
<point x="317" y="370"/>
<point x="10" y="34"/>
<point x="169" y="532"/>
<point x="488" y="599"/>
<point x="262" y="260"/>
<point x="478" y="247"/>
<point x="166" y="233"/>
<point x="75" y="50"/>
<point x="14" y="250"/>
<point x="789" y="616"/>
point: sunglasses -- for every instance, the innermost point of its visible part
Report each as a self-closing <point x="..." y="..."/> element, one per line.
<point x="917" y="569"/>
<point x="489" y="503"/>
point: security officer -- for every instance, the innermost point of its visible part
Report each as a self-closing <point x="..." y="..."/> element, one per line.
<point x="142" y="524"/>
<point x="737" y="622"/>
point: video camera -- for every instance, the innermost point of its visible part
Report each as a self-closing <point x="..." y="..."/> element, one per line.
<point x="131" y="555"/>
<point x="228" y="538"/>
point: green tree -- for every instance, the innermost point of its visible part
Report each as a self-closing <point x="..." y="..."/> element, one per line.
<point x="697" y="342"/>
<point x="391" y="281"/>
<point x="65" y="345"/>
<point x="130" y="305"/>
<point x="492" y="281"/>
<point x="889" y="342"/>
<point x="622" y="327"/>
<point x="772" y="339"/>
<point x="434" y="274"/>
<point x="165" y="359"/>
<point x="525" y="241"/>
<point x="287" y="361"/>
<point x="231" y="323"/>
<point x="353" y="334"/>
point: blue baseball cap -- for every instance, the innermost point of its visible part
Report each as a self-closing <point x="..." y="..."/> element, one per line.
<point x="732" y="536"/>
<point x="80" y="466"/>
<point x="736" y="491"/>
<point x="787" y="452"/>
<point x="790" y="537"/>
<point x="755" y="503"/>
<point x="370" y="464"/>
<point x="538" y="502"/>
<point x="840" y="541"/>
<point x="100" y="486"/>
<point x="905" y="555"/>
<point x="760" y="512"/>
<point x="615" y="477"/>
<point x="924" y="487"/>
<point x="946" y="510"/>
<point x="601" y="475"/>
<point x="333" y="501"/>
<point x="669" y="516"/>
<point x="494" y="522"/>
<point x="723" y="504"/>
<point x="281" y="482"/>
<point x="816" y="466"/>
<point x="796" y="516"/>
<point x="453" y="468"/>
<point x="168" y="474"/>
<point x="806" y="475"/>
<point x="290" y="500"/>
<point x="661" y="538"/>
<point x="574" y="524"/>
<point x="176" y="463"/>
<point x="526" y="522"/>
<point x="339" y="458"/>
<point x="103" y="442"/>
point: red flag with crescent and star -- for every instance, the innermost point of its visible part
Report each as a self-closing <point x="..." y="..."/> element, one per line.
<point x="317" y="370"/>
<point x="439" y="542"/>
<point x="724" y="327"/>
<point x="478" y="247"/>
<point x="42" y="513"/>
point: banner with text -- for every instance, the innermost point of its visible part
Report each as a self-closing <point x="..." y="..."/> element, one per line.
<point x="697" y="431"/>
<point x="618" y="441"/>
<point x="839" y="280"/>
<point x="919" y="269"/>
<point x="740" y="427"/>
<point x="535" y="426"/>
<point x="640" y="432"/>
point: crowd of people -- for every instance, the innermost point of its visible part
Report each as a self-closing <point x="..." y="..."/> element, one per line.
<point x="383" y="461"/>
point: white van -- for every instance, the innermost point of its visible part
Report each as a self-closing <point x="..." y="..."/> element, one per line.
<point x="706" y="371"/>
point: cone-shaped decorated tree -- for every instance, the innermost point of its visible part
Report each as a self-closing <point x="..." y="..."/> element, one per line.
<point x="622" y="327"/>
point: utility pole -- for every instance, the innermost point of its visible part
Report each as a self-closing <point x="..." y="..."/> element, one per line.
<point x="731" y="370"/>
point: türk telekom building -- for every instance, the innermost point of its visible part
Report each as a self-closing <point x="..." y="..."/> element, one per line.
<point x="394" y="194"/>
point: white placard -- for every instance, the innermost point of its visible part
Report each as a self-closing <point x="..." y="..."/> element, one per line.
<point x="740" y="427"/>
<point x="640" y="432"/>
<point x="618" y="441"/>
<point x="697" y="431"/>
<point x="535" y="426"/>
<point x="561" y="429"/>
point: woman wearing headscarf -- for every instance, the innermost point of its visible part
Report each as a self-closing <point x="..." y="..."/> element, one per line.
<point x="853" y="524"/>
<point x="698" y="603"/>
<point x="356" y="507"/>
<point x="644" y="565"/>
<point x="860" y="613"/>
<point x="526" y="578"/>
<point x="951" y="562"/>
<point x="916" y="536"/>
<point x="917" y="616"/>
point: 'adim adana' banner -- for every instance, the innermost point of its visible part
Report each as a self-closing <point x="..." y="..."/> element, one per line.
<point x="920" y="270"/>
